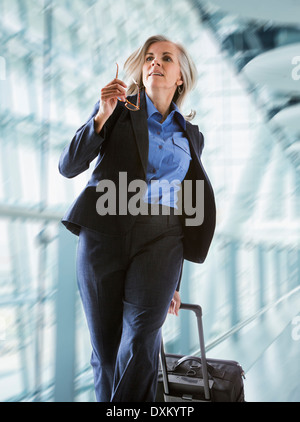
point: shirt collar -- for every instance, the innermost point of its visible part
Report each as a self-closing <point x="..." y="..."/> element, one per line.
<point x="151" y="109"/>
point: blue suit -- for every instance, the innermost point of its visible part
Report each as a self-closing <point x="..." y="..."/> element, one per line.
<point x="129" y="266"/>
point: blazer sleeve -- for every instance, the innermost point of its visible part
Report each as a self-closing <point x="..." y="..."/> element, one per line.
<point x="83" y="149"/>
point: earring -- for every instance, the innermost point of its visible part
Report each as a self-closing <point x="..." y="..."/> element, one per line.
<point x="180" y="89"/>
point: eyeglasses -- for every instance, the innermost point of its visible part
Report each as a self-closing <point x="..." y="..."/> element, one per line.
<point x="128" y="104"/>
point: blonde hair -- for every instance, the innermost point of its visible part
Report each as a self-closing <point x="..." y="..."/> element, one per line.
<point x="134" y="64"/>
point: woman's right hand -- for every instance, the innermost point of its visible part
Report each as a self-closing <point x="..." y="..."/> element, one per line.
<point x="110" y="94"/>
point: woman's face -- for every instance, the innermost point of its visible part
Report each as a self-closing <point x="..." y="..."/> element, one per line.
<point x="161" y="69"/>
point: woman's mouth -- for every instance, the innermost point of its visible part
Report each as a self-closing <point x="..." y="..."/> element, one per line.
<point x="155" y="74"/>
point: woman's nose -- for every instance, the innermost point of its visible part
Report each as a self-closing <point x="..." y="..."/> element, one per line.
<point x="155" y="62"/>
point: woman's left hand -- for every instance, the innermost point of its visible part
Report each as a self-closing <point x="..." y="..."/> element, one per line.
<point x="175" y="304"/>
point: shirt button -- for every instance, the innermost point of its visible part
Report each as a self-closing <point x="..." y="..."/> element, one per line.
<point x="160" y="147"/>
<point x="158" y="132"/>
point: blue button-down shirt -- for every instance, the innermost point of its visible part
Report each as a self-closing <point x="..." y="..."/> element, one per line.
<point x="169" y="155"/>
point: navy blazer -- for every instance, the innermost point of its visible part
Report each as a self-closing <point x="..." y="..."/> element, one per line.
<point x="122" y="146"/>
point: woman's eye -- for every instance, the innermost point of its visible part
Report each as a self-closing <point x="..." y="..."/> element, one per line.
<point x="165" y="58"/>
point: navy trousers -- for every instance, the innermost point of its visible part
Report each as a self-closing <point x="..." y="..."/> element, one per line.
<point x="126" y="283"/>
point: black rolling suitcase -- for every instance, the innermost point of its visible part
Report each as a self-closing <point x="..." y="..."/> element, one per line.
<point x="195" y="379"/>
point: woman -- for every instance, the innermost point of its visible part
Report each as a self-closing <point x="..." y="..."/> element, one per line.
<point x="129" y="263"/>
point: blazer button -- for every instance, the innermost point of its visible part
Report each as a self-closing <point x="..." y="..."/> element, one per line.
<point x="160" y="147"/>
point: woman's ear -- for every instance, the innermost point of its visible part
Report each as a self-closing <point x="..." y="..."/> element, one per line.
<point x="179" y="81"/>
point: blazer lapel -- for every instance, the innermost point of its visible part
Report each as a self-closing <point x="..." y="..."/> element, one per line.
<point x="192" y="132"/>
<point x="140" y="128"/>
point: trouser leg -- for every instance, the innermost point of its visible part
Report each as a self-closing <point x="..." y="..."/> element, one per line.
<point x="101" y="282"/>
<point x="151" y="279"/>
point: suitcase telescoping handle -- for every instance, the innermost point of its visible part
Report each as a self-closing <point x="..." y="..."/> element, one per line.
<point x="198" y="311"/>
